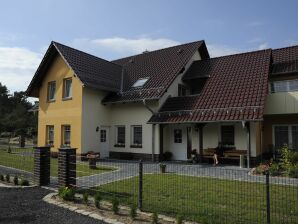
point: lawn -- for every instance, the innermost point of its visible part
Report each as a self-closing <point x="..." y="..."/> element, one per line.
<point x="23" y="160"/>
<point x="208" y="200"/>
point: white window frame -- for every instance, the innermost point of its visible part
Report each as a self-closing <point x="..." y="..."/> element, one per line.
<point x="49" y="89"/>
<point x="64" y="88"/>
<point x="178" y="129"/>
<point x="116" y="140"/>
<point x="132" y="135"/>
<point x="290" y="136"/>
<point x="63" y="134"/>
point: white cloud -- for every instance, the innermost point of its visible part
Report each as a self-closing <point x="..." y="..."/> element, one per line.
<point x="119" y="47"/>
<point x="263" y="46"/>
<point x="220" y="50"/>
<point x="17" y="66"/>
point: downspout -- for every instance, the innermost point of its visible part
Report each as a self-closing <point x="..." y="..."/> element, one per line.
<point x="153" y="130"/>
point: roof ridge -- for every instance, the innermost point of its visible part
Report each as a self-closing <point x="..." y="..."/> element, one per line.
<point x="180" y="45"/>
<point x="54" y="42"/>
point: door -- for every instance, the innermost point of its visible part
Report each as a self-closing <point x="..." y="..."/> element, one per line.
<point x="104" y="142"/>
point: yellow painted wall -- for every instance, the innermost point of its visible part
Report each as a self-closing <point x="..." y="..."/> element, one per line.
<point x="60" y="112"/>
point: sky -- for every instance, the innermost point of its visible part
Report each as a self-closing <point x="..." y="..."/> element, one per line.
<point x="111" y="29"/>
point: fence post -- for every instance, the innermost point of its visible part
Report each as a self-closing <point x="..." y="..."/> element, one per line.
<point x="41" y="165"/>
<point x="268" y="197"/>
<point x="140" y="196"/>
<point x="67" y="167"/>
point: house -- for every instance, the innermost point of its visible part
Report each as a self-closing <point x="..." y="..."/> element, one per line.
<point x="170" y="100"/>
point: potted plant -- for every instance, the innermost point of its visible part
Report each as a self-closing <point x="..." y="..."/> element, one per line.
<point x="92" y="158"/>
<point x="167" y="156"/>
<point x="162" y="167"/>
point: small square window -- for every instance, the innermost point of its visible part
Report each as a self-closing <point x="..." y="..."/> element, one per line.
<point x="67" y="88"/>
<point x="177" y="136"/>
<point x="51" y="91"/>
<point x="140" y="82"/>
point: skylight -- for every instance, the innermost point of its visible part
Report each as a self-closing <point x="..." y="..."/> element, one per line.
<point x="140" y="82"/>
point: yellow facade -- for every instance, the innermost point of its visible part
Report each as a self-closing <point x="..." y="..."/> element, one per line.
<point x="60" y="112"/>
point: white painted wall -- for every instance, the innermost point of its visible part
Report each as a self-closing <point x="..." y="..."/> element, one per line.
<point x="94" y="115"/>
<point x="282" y="103"/>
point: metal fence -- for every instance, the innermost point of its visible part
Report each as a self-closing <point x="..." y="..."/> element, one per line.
<point x="199" y="193"/>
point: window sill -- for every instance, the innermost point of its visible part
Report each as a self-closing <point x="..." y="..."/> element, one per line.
<point x="66" y="98"/>
<point x="136" y="146"/>
<point x="119" y="146"/>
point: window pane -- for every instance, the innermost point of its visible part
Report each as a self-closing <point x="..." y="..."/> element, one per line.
<point x="103" y="135"/>
<point x="140" y="82"/>
<point x="178" y="136"/>
<point x="66" y="135"/>
<point x="227" y="135"/>
<point x="50" y="135"/>
<point x="295" y="137"/>
<point x="51" y="90"/>
<point x="137" y="135"/>
<point x="121" y="135"/>
<point x="293" y="85"/>
<point x="281" y="136"/>
<point x="67" y="88"/>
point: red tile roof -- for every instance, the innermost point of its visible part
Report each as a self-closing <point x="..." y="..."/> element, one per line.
<point x="160" y="66"/>
<point x="235" y="90"/>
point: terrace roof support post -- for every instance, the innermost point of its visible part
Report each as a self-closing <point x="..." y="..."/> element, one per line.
<point x="248" y="138"/>
<point x="67" y="167"/>
<point x="153" y="142"/>
<point x="42" y="165"/>
<point x="201" y="143"/>
<point x="161" y="127"/>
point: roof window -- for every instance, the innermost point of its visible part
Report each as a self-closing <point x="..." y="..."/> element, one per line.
<point x="140" y="82"/>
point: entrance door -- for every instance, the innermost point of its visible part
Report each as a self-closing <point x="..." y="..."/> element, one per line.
<point x="104" y="142"/>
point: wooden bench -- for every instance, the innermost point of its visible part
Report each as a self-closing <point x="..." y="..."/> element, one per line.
<point x="227" y="154"/>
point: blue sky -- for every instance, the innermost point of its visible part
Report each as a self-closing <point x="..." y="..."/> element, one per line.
<point x="115" y="28"/>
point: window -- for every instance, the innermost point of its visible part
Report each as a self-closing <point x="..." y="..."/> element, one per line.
<point x="103" y="135"/>
<point x="181" y="90"/>
<point x="66" y="135"/>
<point x="120" y="135"/>
<point x="286" y="134"/>
<point x="50" y="135"/>
<point x="140" y="82"/>
<point x="67" y="88"/>
<point x="51" y="91"/>
<point x="178" y="136"/>
<point x="284" y="86"/>
<point x="227" y="135"/>
<point x="137" y="135"/>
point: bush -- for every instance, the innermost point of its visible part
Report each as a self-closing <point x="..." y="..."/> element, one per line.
<point x="261" y="169"/>
<point x="85" y="197"/>
<point x="1" y="177"/>
<point x="293" y="171"/>
<point x="7" y="178"/>
<point x="133" y="211"/>
<point x="66" y="193"/>
<point x="16" y="180"/>
<point x="179" y="219"/>
<point x="97" y="199"/>
<point x="285" y="158"/>
<point x="293" y="157"/>
<point x="167" y="156"/>
<point x="274" y="169"/>
<point x="24" y="182"/>
<point x="154" y="218"/>
<point x="115" y="205"/>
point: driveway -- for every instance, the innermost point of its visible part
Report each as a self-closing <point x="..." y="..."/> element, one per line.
<point x="26" y="206"/>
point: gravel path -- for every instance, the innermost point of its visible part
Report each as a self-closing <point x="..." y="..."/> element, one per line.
<point x="26" y="206"/>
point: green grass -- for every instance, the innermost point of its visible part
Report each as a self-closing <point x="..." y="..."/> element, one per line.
<point x="208" y="200"/>
<point x="25" y="163"/>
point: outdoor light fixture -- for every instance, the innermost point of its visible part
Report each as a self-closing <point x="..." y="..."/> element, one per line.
<point x="97" y="129"/>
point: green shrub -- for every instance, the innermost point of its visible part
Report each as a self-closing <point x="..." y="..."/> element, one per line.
<point x="154" y="218"/>
<point x="1" y="177"/>
<point x="133" y="211"/>
<point x="85" y="197"/>
<point x="179" y="219"/>
<point x="97" y="199"/>
<point x="285" y="158"/>
<point x="293" y="171"/>
<point x="115" y="205"/>
<point x="274" y="169"/>
<point x="66" y="193"/>
<point x="24" y="182"/>
<point x="16" y="180"/>
<point x="261" y="169"/>
<point x="293" y="157"/>
<point x="7" y="178"/>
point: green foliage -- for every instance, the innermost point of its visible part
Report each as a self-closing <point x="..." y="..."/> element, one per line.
<point x="16" y="180"/>
<point x="85" y="197"/>
<point x="274" y="169"/>
<point x="179" y="219"/>
<point x="66" y="193"/>
<point x="24" y="182"/>
<point x="154" y="218"/>
<point x="1" y="177"/>
<point x="97" y="199"/>
<point x="7" y="178"/>
<point x="133" y="211"/>
<point x="115" y="205"/>
<point x="285" y="155"/>
<point x="293" y="157"/>
<point x="293" y="171"/>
